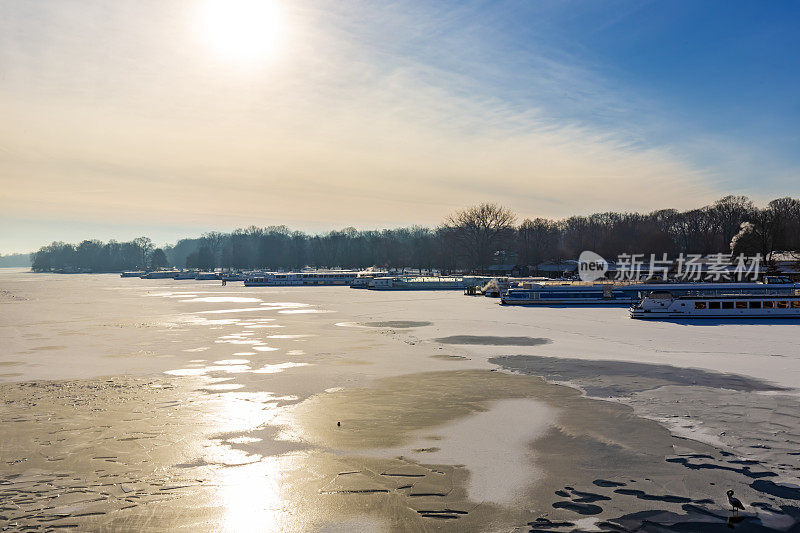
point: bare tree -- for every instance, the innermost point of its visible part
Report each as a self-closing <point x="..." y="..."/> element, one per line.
<point x="158" y="259"/>
<point x="760" y="234"/>
<point x="537" y="241"/>
<point x="145" y="246"/>
<point x="727" y="215"/>
<point x="786" y="213"/>
<point x="213" y="240"/>
<point x="481" y="230"/>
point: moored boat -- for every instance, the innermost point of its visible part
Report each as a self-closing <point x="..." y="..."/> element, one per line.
<point x="496" y="287"/>
<point x="662" y="304"/>
<point x="363" y="279"/>
<point x="423" y="283"/>
<point x="333" y="277"/>
<point x="570" y="293"/>
<point x="161" y="274"/>
<point x="232" y="276"/>
<point x="609" y="293"/>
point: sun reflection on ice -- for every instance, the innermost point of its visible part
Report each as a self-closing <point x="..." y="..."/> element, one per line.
<point x="248" y="484"/>
<point x="223" y="299"/>
<point x="251" y="496"/>
<point x="280" y="367"/>
<point x="233" y="366"/>
<point x="243" y="412"/>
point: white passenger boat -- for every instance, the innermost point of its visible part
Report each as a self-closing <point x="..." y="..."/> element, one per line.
<point x="496" y="287"/>
<point x="206" y="276"/>
<point x="616" y="294"/>
<point x="186" y="274"/>
<point x="232" y="276"/>
<point x="333" y="277"/>
<point x="161" y="274"/>
<point x="364" y="278"/>
<point x="569" y="294"/>
<point x="660" y="305"/>
<point x="426" y="283"/>
<point x="133" y="274"/>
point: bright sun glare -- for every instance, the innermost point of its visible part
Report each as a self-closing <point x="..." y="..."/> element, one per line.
<point x="245" y="30"/>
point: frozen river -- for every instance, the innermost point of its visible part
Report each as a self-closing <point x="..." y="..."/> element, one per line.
<point x="163" y="404"/>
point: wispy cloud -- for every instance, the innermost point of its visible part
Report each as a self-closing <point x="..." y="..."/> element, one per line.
<point x="369" y="118"/>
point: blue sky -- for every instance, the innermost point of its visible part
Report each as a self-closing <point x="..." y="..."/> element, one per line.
<point x="661" y="72"/>
<point x="125" y="118"/>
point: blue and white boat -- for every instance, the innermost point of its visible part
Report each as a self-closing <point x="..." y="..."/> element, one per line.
<point x="616" y="293"/>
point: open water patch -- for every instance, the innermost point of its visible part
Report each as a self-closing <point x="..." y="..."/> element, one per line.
<point x="626" y="377"/>
<point x="397" y="324"/>
<point x="490" y="340"/>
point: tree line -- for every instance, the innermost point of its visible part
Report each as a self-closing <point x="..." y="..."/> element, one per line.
<point x="15" y="260"/>
<point x="95" y="256"/>
<point x="470" y="239"/>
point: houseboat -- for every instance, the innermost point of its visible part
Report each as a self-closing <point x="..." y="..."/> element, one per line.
<point x="662" y="304"/>
<point x="274" y="279"/>
<point x="581" y="293"/>
<point x="496" y="287"/>
<point x="232" y="276"/>
<point x="161" y="274"/>
<point x="364" y="278"/>
<point x="425" y="283"/>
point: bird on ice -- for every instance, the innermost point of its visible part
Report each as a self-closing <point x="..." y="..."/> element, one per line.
<point x="735" y="503"/>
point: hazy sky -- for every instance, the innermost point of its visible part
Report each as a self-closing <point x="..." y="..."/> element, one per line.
<point x="166" y="118"/>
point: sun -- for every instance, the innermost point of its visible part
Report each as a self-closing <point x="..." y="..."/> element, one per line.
<point x="243" y="30"/>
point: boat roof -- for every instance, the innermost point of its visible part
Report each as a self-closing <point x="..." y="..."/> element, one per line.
<point x="739" y="297"/>
<point x="660" y="286"/>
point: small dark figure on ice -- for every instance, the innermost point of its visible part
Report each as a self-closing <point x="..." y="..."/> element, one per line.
<point x="736" y="505"/>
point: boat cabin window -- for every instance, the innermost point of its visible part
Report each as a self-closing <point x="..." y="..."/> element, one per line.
<point x="741" y="305"/>
<point x="713" y="305"/>
<point x="795" y="304"/>
<point x="769" y="305"/>
<point x="755" y="305"/>
<point x="776" y="279"/>
<point x="727" y="305"/>
<point x="783" y="305"/>
<point x="699" y="305"/>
